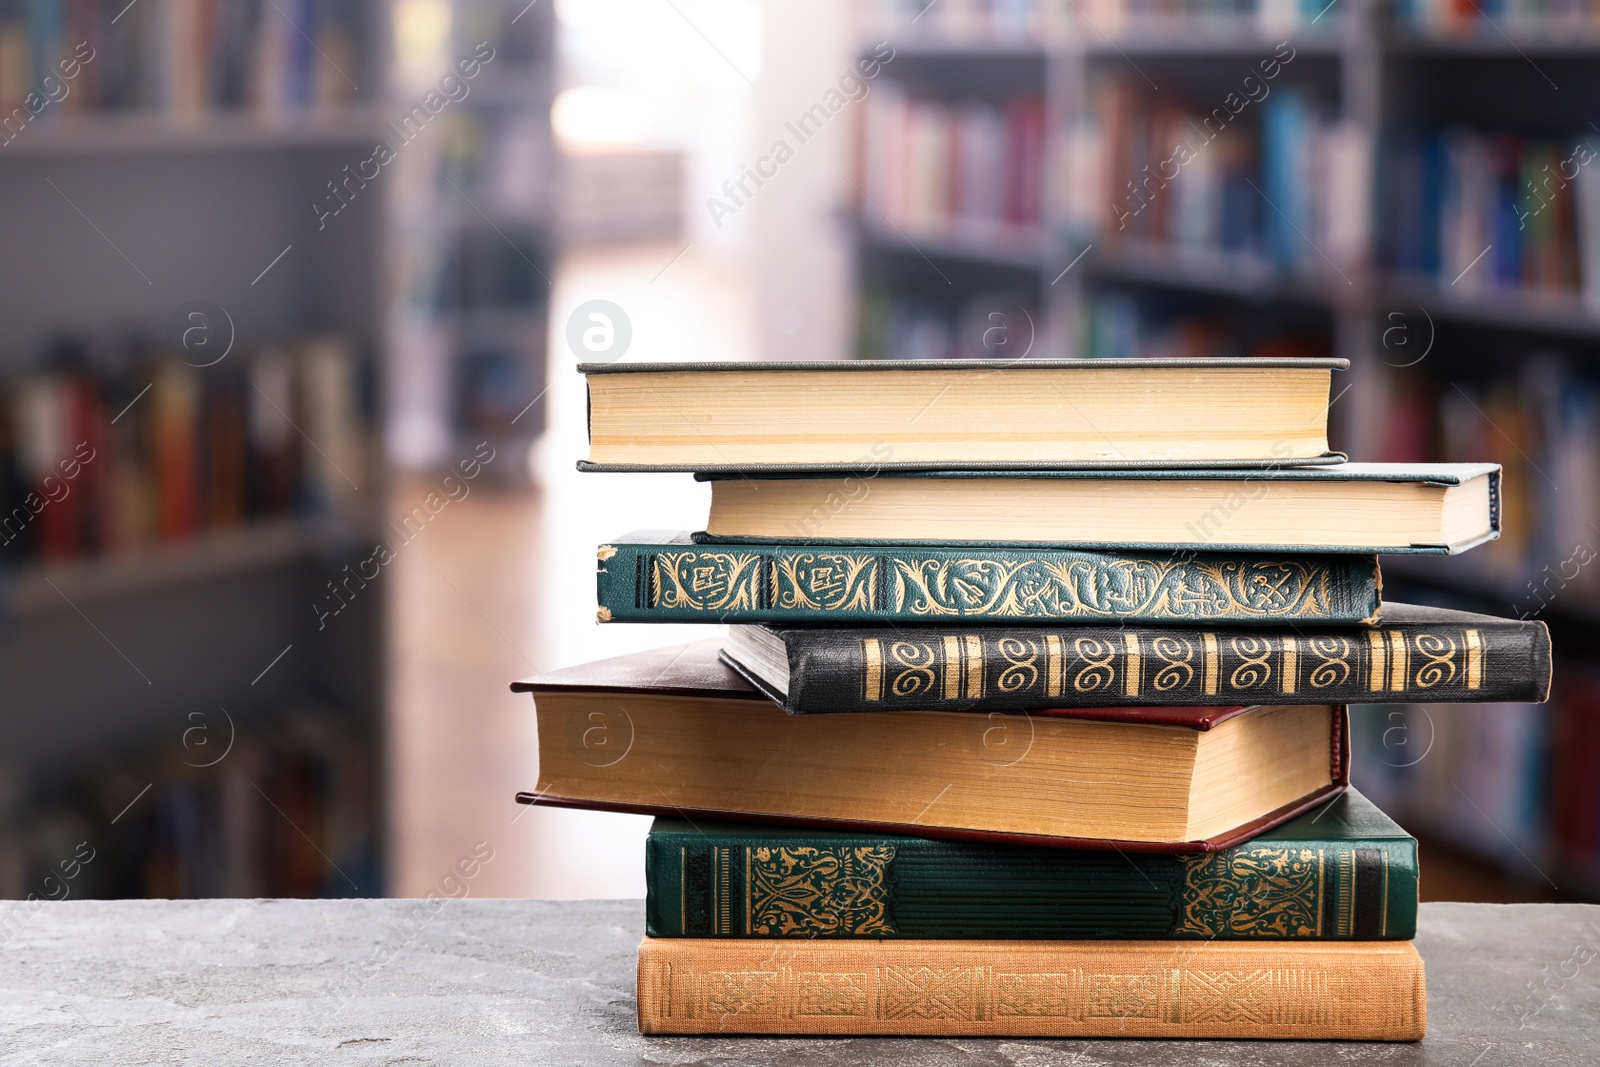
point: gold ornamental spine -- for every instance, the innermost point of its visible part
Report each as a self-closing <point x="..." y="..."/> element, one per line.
<point x="1356" y="991"/>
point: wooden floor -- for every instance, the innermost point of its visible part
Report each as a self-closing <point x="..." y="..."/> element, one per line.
<point x="500" y="586"/>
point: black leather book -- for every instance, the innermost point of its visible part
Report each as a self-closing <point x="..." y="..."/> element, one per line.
<point x="1416" y="654"/>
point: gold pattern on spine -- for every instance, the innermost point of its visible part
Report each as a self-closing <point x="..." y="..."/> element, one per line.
<point x="952" y="668"/>
<point x="1344" y="922"/>
<point x="1211" y="993"/>
<point x="1213" y="663"/>
<point x="1290" y="671"/>
<point x="1383" y="916"/>
<point x="974" y="666"/>
<point x="746" y="930"/>
<point x="725" y="873"/>
<point x="874" y="655"/>
<point x="1133" y="673"/>
<point x="1397" y="649"/>
<point x="1379" y="663"/>
<point x="711" y="892"/>
<point x="1050" y="585"/>
<point x="1322" y="886"/>
<point x="1474" y="659"/>
<point x="1053" y="667"/>
<point x="1262" y="892"/>
<point x="806" y="891"/>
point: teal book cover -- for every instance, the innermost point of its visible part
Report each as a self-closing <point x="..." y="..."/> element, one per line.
<point x="1343" y="871"/>
<point x="666" y="576"/>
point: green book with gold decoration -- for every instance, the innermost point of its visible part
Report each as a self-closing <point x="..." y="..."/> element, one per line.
<point x="1342" y="871"/>
<point x="670" y="576"/>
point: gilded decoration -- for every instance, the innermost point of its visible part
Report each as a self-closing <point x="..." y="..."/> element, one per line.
<point x="819" y="892"/>
<point x="1094" y="588"/>
<point x="953" y="993"/>
<point x="1253" y="892"/>
<point x="706" y="581"/>
<point x="1121" y="996"/>
<point x="1061" y="587"/>
<point x="831" y="993"/>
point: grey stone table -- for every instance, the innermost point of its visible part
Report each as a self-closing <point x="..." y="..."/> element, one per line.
<point x="537" y="983"/>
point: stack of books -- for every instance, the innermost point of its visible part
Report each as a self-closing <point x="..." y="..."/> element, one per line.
<point x="1030" y="717"/>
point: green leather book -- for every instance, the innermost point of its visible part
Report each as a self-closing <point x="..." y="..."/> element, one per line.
<point x="1415" y="654"/>
<point x="1342" y="871"/>
<point x="666" y="576"/>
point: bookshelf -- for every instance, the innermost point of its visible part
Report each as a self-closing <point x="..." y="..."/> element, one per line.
<point x="1294" y="231"/>
<point x="476" y="240"/>
<point x="171" y="698"/>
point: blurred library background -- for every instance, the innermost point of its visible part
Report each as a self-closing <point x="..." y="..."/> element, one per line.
<point x="288" y="414"/>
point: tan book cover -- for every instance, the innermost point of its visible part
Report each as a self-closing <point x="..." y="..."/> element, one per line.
<point x="1359" y="991"/>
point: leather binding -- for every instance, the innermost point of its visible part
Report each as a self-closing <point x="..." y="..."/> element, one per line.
<point x="666" y="576"/>
<point x="694" y="670"/>
<point x="1349" y="990"/>
<point x="1342" y="871"/>
<point x="1415" y="654"/>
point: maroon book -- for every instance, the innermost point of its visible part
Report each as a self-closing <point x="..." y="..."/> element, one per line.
<point x="619" y="735"/>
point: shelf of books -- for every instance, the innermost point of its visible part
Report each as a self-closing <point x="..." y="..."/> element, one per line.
<point x="191" y="366"/>
<point x="1401" y="186"/>
<point x="476" y="242"/>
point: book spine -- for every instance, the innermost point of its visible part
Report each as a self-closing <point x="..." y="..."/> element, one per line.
<point x="1370" y="991"/>
<point x="687" y="582"/>
<point x="798" y="886"/>
<point x="1034" y="670"/>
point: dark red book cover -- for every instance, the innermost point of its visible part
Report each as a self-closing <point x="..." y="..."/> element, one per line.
<point x="695" y="670"/>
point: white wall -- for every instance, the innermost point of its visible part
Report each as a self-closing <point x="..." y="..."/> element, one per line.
<point x="798" y="248"/>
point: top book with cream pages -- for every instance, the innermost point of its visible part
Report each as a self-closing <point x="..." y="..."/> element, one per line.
<point x="975" y="415"/>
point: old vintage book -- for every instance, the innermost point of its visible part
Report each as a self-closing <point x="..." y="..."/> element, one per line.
<point x="1348" y="507"/>
<point x="948" y="414"/>
<point x="1341" y="871"/>
<point x="1332" y="990"/>
<point x="664" y="576"/>
<point x="675" y="732"/>
<point x="1414" y="654"/>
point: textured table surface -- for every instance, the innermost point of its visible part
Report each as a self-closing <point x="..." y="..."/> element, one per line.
<point x="551" y="983"/>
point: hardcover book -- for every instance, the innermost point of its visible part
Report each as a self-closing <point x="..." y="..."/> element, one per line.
<point x="1421" y="654"/>
<point x="1341" y="871"/>
<point x="950" y="414"/>
<point x="665" y="576"/>
<point x="1334" y="990"/>
<point x="675" y="732"/>
<point x="1436" y="508"/>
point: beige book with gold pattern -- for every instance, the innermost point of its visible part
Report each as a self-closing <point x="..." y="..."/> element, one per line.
<point x="1359" y="991"/>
